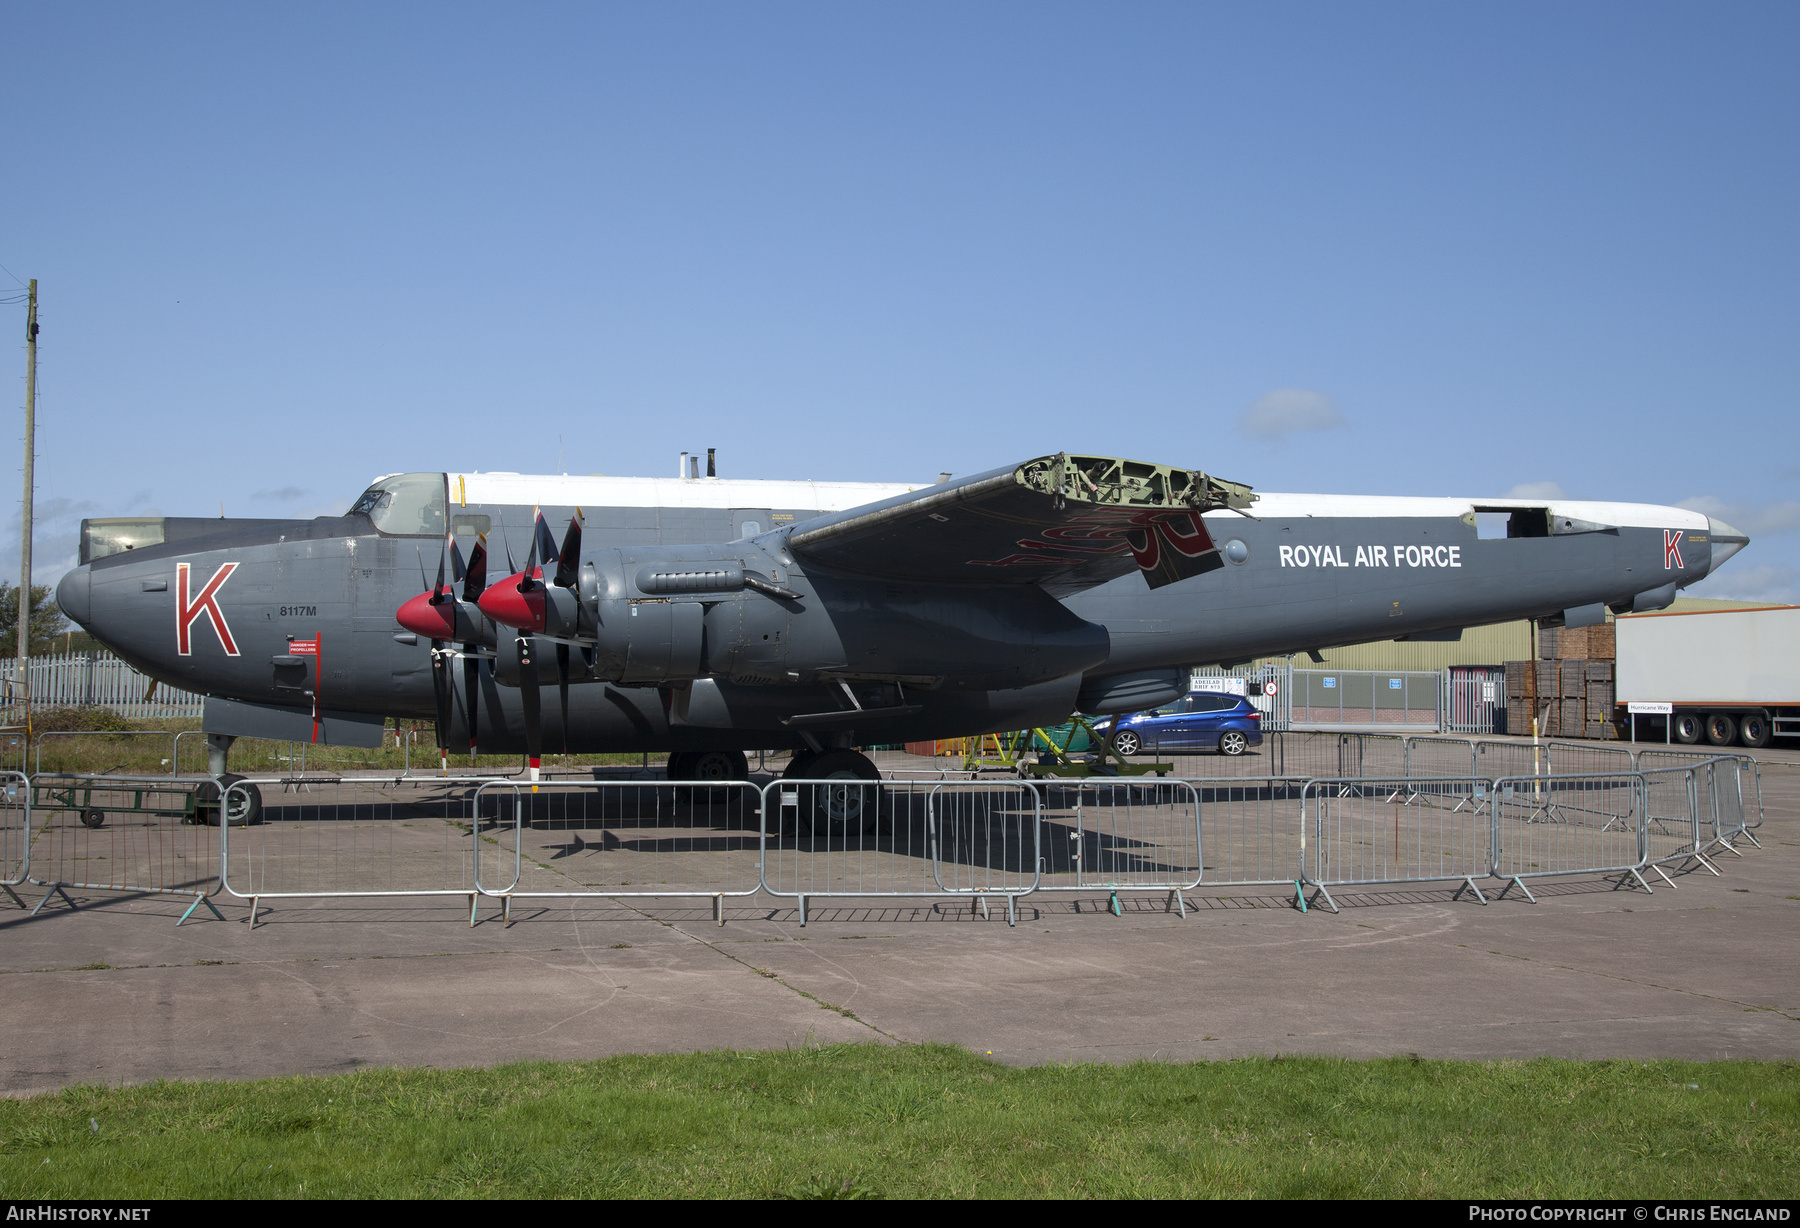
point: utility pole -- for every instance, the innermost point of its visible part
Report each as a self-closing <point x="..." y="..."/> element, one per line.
<point x="31" y="332"/>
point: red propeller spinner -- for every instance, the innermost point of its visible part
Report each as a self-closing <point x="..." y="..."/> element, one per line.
<point x="430" y="614"/>
<point x="516" y="601"/>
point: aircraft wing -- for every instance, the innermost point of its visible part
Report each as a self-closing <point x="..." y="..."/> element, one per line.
<point x="1064" y="522"/>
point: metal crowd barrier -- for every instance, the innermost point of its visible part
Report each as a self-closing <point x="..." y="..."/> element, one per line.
<point x="352" y="837"/>
<point x="1250" y="831"/>
<point x="1111" y="835"/>
<point x="37" y="758"/>
<point x="1365" y="833"/>
<point x="124" y="833"/>
<point x="15" y="832"/>
<point x="618" y="839"/>
<point x="1559" y="825"/>
<point x="874" y="839"/>
<point x="947" y="839"/>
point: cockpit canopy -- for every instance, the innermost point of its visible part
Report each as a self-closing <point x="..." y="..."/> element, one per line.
<point x="405" y="503"/>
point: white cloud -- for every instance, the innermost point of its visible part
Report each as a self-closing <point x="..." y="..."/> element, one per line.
<point x="1776" y="585"/>
<point x="1288" y="411"/>
<point x="286" y="494"/>
<point x="1536" y="490"/>
<point x="1748" y="518"/>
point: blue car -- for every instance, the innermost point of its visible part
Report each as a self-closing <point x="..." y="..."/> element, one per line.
<point x="1202" y="720"/>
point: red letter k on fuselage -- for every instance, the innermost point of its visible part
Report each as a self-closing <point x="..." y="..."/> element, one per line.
<point x="186" y="612"/>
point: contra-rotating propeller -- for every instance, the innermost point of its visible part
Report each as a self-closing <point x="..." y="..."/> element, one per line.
<point x="521" y="601"/>
<point x="437" y="614"/>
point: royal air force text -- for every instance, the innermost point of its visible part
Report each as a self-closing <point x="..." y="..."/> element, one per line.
<point x="1372" y="556"/>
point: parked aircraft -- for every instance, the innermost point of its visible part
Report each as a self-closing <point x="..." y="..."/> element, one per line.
<point x="708" y="616"/>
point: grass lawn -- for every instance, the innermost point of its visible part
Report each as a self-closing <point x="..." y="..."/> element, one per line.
<point x="927" y="1121"/>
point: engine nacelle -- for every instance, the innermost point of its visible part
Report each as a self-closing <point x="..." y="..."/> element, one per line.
<point x="666" y="617"/>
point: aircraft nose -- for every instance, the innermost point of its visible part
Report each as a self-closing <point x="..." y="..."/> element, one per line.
<point x="1726" y="541"/>
<point x="74" y="595"/>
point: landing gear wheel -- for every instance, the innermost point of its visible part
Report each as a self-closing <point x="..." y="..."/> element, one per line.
<point x="244" y="804"/>
<point x="1721" y="728"/>
<point x="1686" y="727"/>
<point x="1231" y="742"/>
<point x="1127" y="743"/>
<point x="93" y="816"/>
<point x="1753" y="730"/>
<point x="717" y="765"/>
<point x="840" y="809"/>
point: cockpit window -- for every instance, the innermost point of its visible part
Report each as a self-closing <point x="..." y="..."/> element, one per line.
<point x="406" y="504"/>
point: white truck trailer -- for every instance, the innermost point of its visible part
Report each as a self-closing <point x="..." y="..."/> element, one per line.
<point x="1724" y="675"/>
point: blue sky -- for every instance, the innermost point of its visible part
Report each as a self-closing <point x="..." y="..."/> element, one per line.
<point x="1382" y="249"/>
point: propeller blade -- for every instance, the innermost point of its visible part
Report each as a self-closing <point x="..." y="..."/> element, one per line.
<point x="570" y="556"/>
<point x="456" y="561"/>
<point x="542" y="539"/>
<point x="440" y="687"/>
<point x="424" y="584"/>
<point x="475" y="576"/>
<point x="472" y="688"/>
<point x="443" y="549"/>
<point x="562" y="689"/>
<point x="528" y="693"/>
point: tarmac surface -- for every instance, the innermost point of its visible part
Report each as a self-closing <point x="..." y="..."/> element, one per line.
<point x="113" y="992"/>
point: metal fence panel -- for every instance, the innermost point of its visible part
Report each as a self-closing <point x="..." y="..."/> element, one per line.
<point x="1440" y="757"/>
<point x="1590" y="758"/>
<point x="1671" y="815"/>
<point x="619" y="838"/>
<point x="15" y="823"/>
<point x="86" y="751"/>
<point x="900" y="838"/>
<point x="123" y="833"/>
<point x="1725" y="783"/>
<point x="83" y="679"/>
<point x="1369" y="831"/>
<point x="1568" y="825"/>
<point x="1117" y="835"/>
<point x="1495" y="759"/>
<point x="1367" y="697"/>
<point x="353" y="837"/>
<point x="1251" y="831"/>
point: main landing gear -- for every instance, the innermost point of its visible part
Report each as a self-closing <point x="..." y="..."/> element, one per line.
<point x="852" y="804"/>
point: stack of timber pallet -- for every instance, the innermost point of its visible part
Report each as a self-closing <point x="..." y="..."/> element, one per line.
<point x="1570" y="690"/>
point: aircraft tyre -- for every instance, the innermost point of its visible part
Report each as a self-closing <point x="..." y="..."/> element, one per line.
<point x="1686" y="727"/>
<point x="246" y="803"/>
<point x="718" y="765"/>
<point x="1754" y="730"/>
<point x="1721" y="728"/>
<point x="838" y="810"/>
<point x="1231" y="742"/>
<point x="677" y="766"/>
<point x="1127" y="743"/>
<point x="797" y="765"/>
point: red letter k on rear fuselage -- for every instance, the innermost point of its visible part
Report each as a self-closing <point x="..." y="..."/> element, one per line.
<point x="187" y="612"/>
